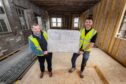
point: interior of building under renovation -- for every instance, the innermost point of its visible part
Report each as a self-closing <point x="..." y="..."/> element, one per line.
<point x="107" y="60"/>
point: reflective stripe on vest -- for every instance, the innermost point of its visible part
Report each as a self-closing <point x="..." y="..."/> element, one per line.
<point x="85" y="40"/>
<point x="36" y="43"/>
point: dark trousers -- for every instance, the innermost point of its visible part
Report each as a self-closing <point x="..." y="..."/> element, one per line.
<point x="42" y="59"/>
<point x="84" y="60"/>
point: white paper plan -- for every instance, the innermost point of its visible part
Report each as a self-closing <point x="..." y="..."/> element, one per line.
<point x="63" y="40"/>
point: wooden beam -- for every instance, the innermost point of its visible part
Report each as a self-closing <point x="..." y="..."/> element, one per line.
<point x="65" y="5"/>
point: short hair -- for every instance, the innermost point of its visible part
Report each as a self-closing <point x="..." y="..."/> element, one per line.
<point x="89" y="18"/>
<point x="34" y="24"/>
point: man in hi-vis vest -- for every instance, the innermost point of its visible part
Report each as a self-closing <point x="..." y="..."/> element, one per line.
<point x="38" y="44"/>
<point x="87" y="40"/>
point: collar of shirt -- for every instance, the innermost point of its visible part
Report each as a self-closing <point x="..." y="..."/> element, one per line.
<point x="40" y="36"/>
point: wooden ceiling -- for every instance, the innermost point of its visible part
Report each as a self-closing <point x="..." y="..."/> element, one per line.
<point x="63" y="6"/>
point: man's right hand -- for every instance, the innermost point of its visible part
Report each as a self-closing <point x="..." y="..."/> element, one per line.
<point x="45" y="52"/>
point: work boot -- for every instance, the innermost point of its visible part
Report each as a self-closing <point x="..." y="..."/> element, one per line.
<point x="71" y="70"/>
<point x="50" y="74"/>
<point x="41" y="74"/>
<point x="81" y="75"/>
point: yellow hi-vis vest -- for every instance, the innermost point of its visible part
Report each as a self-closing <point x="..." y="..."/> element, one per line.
<point x="36" y="43"/>
<point x="85" y="39"/>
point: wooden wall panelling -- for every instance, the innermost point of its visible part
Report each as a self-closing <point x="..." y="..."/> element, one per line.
<point x="106" y="22"/>
<point x="115" y="47"/>
<point x="121" y="54"/>
<point x="96" y="12"/>
<point x="120" y="15"/>
<point x="110" y="25"/>
<point x="99" y="23"/>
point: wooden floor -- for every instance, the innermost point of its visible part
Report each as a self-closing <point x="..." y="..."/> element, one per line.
<point x="100" y="69"/>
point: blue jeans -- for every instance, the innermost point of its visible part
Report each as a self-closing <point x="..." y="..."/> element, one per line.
<point x="84" y="60"/>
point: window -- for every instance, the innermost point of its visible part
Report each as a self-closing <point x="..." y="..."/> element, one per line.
<point x="122" y="31"/>
<point x="4" y="24"/>
<point x="56" y="22"/>
<point x="20" y="13"/>
<point x="3" y="27"/>
<point x="76" y="22"/>
<point x="1" y="10"/>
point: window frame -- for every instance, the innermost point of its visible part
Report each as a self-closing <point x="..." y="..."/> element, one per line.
<point x="3" y="16"/>
<point x="76" y="22"/>
<point x="3" y="28"/>
<point x="21" y="15"/>
<point x="120" y="31"/>
<point x="51" y="22"/>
